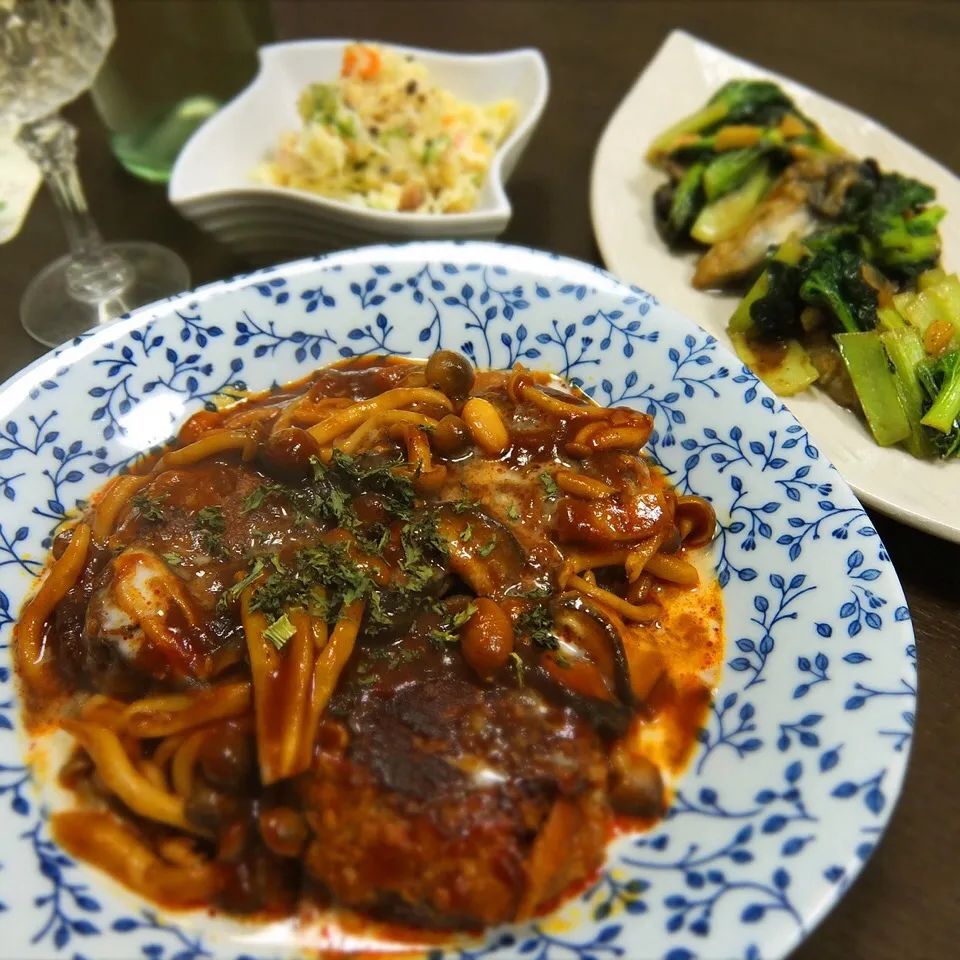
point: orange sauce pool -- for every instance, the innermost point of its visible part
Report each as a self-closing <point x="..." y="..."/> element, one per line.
<point x="422" y="779"/>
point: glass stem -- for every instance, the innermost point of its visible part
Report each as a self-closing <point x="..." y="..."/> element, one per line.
<point x="95" y="272"/>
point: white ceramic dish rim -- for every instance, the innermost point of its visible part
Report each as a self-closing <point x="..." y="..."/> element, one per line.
<point x="15" y="391"/>
<point x="611" y="257"/>
<point x="370" y="218"/>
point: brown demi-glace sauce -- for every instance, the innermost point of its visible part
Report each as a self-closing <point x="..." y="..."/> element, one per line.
<point x="451" y="782"/>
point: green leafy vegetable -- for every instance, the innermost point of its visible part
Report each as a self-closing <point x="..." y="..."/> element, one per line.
<point x="834" y="278"/>
<point x="940" y="379"/>
<point x="677" y="204"/>
<point x="231" y="594"/>
<point x="737" y="101"/>
<point x="891" y="212"/>
<point x="866" y="362"/>
<point x="721" y="217"/>
<point x="905" y="350"/>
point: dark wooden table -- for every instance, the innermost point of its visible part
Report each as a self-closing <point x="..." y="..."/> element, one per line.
<point x="896" y="61"/>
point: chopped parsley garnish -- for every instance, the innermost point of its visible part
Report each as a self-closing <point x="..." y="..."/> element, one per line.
<point x="513" y="512"/>
<point x="464" y="504"/>
<point x="149" y="508"/>
<point x="537" y="624"/>
<point x="325" y="567"/>
<point x="449" y="629"/>
<point x="374" y="545"/>
<point x="421" y="539"/>
<point x="173" y="559"/>
<point x="258" y="497"/>
<point x="211" y="518"/>
<point x="323" y="579"/>
<point x="382" y="478"/>
<point x="232" y="593"/>
<point x="488" y="547"/>
<point x="467" y="534"/>
<point x="280" y="631"/>
<point x="395" y="656"/>
<point x="549" y="486"/>
<point x="328" y="496"/>
<point x="210" y="524"/>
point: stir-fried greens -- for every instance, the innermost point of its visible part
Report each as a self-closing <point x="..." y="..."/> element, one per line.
<point x="842" y="260"/>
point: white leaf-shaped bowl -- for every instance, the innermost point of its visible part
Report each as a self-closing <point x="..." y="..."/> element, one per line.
<point x="211" y="182"/>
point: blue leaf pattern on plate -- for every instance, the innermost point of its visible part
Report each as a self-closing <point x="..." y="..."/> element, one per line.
<point x="802" y="753"/>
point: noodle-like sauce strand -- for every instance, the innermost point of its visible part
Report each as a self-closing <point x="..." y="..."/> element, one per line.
<point x="376" y="634"/>
<point x="60" y="578"/>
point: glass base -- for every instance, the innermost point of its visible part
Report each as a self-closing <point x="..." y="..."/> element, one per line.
<point x="56" y="308"/>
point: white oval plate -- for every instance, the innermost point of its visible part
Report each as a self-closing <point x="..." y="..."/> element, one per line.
<point x="679" y="79"/>
<point x="804" y="750"/>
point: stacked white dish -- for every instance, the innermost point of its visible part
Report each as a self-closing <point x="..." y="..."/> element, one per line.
<point x="211" y="183"/>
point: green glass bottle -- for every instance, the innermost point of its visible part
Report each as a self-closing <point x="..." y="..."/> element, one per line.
<point x="173" y="64"/>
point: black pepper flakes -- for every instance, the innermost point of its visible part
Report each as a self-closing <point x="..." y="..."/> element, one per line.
<point x="411" y="87"/>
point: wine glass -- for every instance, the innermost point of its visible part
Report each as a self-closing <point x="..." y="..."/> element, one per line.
<point x="50" y="52"/>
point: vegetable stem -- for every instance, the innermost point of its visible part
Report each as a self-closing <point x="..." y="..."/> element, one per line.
<point x="720" y="218"/>
<point x="905" y="350"/>
<point x="943" y="414"/>
<point x="866" y="362"/>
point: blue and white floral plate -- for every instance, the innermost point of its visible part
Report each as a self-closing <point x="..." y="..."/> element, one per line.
<point x="803" y="754"/>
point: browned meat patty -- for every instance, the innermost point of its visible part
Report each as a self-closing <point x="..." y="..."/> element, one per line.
<point x="426" y="806"/>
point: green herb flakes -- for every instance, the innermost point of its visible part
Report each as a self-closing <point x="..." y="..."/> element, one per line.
<point x="258" y="497"/>
<point x="449" y="630"/>
<point x="210" y="518"/>
<point x="549" y="486"/>
<point x="537" y="624"/>
<point x="488" y="547"/>
<point x="280" y="631"/>
<point x="209" y="523"/>
<point x="149" y="508"/>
